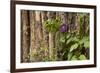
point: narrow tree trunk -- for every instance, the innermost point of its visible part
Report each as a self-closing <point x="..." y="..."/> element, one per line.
<point x="39" y="34"/>
<point x="45" y="34"/>
<point x="32" y="36"/>
<point x="77" y="23"/>
<point x="73" y="22"/>
<point x="25" y="29"/>
<point x="57" y="37"/>
<point x="84" y="24"/>
<point x="51" y="38"/>
<point x="70" y="21"/>
<point x="64" y="17"/>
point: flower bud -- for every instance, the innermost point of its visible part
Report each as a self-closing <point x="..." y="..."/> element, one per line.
<point x="63" y="28"/>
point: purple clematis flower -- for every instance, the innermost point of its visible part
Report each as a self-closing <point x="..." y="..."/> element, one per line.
<point x="63" y="28"/>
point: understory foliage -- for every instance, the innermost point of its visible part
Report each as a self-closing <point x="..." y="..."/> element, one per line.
<point x="74" y="46"/>
<point x="62" y="40"/>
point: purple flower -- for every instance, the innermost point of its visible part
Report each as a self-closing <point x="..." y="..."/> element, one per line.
<point x="63" y="28"/>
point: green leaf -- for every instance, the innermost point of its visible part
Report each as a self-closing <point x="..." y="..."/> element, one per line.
<point x="85" y="41"/>
<point x="74" y="58"/>
<point x="81" y="42"/>
<point x="69" y="56"/>
<point x="74" y="39"/>
<point x="52" y="25"/>
<point x="69" y="40"/>
<point x="62" y="40"/>
<point x="73" y="47"/>
<point x="86" y="44"/>
<point x="82" y="57"/>
<point x="68" y="36"/>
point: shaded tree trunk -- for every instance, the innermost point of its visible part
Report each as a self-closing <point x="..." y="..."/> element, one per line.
<point x="73" y="22"/>
<point x="85" y="24"/>
<point x="77" y="23"/>
<point x="25" y="31"/>
<point x="69" y="21"/>
<point x="64" y="17"/>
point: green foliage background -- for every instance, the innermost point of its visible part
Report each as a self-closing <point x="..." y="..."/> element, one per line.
<point x="74" y="46"/>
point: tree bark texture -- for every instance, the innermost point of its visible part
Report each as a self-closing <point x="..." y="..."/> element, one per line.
<point x="25" y="35"/>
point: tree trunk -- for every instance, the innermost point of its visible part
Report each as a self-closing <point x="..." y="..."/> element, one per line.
<point x="78" y="23"/>
<point x="85" y="24"/>
<point x="57" y="37"/>
<point x="25" y="31"/>
<point x="73" y="22"/>
<point x="45" y="34"/>
<point x="63" y="17"/>
<point x="39" y="34"/>
<point x="32" y="36"/>
<point x="69" y="18"/>
<point x="51" y="38"/>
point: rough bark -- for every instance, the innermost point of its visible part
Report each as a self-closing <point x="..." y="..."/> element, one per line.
<point x="32" y="36"/>
<point x="39" y="34"/>
<point x="25" y="30"/>
<point x="63" y="17"/>
<point x="78" y="23"/>
<point x="45" y="33"/>
<point x="69" y="19"/>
